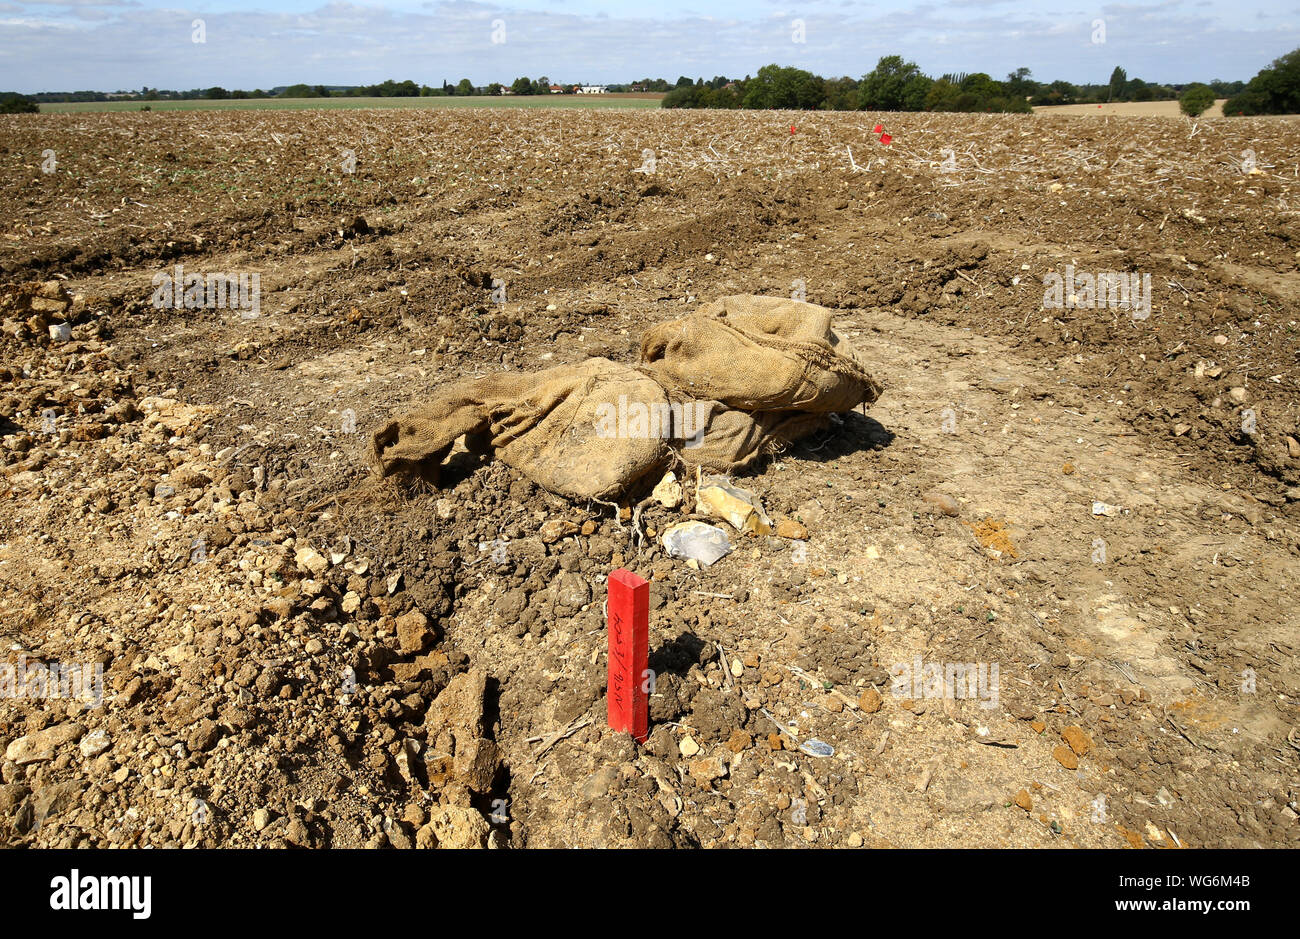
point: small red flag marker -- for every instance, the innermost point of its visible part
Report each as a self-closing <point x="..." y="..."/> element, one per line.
<point x="792" y="128"/>
<point x="628" y="618"/>
<point x="886" y="139"/>
<point x="877" y="129"/>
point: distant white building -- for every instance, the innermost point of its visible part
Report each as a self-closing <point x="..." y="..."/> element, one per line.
<point x="590" y="90"/>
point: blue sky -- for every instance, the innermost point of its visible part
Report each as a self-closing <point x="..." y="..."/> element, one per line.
<point x="107" y="45"/>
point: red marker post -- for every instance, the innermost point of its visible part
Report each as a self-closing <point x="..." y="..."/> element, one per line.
<point x="628" y="618"/>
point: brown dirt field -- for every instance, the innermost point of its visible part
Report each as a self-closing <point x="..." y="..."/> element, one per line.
<point x="1130" y="109"/>
<point x="295" y="654"/>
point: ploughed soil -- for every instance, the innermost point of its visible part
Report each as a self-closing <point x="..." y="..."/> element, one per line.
<point x="1091" y="511"/>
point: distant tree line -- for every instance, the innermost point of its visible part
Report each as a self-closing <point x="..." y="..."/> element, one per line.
<point x="898" y="85"/>
<point x="11" y="103"/>
<point x="1275" y="90"/>
<point x="385" y="89"/>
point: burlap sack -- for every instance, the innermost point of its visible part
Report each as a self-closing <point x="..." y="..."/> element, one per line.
<point x="586" y="431"/>
<point x="759" y="354"/>
<point x="734" y="440"/>
<point x="741" y="378"/>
